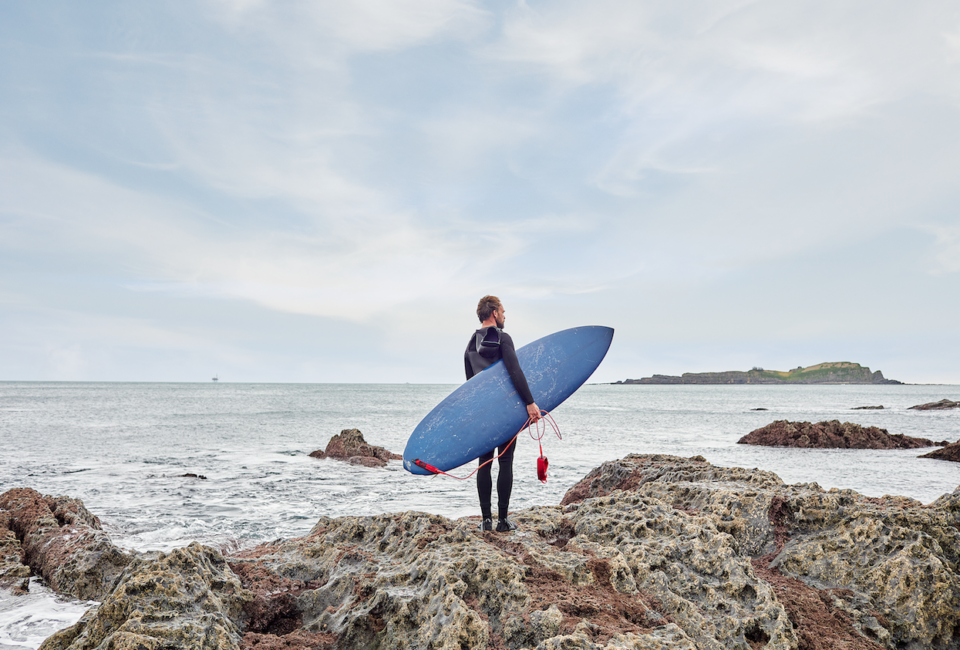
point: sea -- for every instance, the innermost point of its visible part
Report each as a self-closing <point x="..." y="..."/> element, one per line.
<point x="127" y="450"/>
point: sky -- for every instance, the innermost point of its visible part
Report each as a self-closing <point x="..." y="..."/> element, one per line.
<point x="322" y="191"/>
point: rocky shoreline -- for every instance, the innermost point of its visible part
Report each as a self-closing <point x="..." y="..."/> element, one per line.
<point x="645" y="552"/>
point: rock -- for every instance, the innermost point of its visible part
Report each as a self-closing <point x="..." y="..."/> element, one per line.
<point x="888" y="566"/>
<point x="867" y="408"/>
<point x="825" y="623"/>
<point x="12" y="569"/>
<point x="830" y="435"/>
<point x="646" y="552"/>
<point x="949" y="452"/>
<point x="936" y="406"/>
<point x="759" y="409"/>
<point x="350" y="446"/>
<point x="414" y="580"/>
<point x="366" y="461"/>
<point x="188" y="598"/>
<point x="61" y="541"/>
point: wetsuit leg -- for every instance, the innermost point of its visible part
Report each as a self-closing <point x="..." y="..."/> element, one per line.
<point x="485" y="484"/>
<point x="505" y="481"/>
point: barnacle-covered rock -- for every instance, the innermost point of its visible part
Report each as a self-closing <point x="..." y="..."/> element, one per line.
<point x="187" y="598"/>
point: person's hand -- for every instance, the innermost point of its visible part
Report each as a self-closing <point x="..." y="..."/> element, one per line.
<point x="533" y="411"/>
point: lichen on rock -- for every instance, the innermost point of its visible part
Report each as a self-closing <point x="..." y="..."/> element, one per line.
<point x="187" y="598"/>
<point x="646" y="552"/>
<point x="895" y="559"/>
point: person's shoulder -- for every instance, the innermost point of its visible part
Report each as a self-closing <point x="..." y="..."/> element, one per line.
<point x="505" y="338"/>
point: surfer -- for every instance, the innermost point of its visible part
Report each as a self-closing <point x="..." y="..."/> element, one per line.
<point x="488" y="345"/>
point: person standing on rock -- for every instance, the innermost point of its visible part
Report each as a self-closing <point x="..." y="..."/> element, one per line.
<point x="486" y="346"/>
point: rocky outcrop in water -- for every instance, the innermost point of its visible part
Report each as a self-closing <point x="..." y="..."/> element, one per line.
<point x="645" y="552"/>
<point x="61" y="541"/>
<point x="942" y="405"/>
<point x="867" y="408"/>
<point x="350" y="446"/>
<point x="950" y="452"/>
<point x="831" y="435"/>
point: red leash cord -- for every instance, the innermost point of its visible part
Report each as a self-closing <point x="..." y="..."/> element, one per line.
<point x="530" y="426"/>
<point x="542" y="461"/>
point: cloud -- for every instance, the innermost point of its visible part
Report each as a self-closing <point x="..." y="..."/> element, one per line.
<point x="342" y="162"/>
<point x="362" y="25"/>
<point x="350" y="268"/>
<point x="685" y="80"/>
<point x="945" y="256"/>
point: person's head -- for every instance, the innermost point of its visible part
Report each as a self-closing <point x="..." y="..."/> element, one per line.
<point x="491" y="306"/>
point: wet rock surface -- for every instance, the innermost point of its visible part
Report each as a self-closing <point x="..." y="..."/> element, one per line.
<point x="950" y="452"/>
<point x="349" y="445"/>
<point x="645" y="552"/>
<point x="936" y="406"/>
<point x="831" y="435"/>
<point x="58" y="539"/>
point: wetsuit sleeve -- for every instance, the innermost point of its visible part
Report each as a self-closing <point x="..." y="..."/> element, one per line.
<point x="513" y="368"/>
<point x="467" y="366"/>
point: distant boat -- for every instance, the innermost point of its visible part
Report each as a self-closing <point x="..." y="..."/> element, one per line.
<point x="216" y="378"/>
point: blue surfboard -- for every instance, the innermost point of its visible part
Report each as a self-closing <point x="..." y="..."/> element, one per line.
<point x="486" y="411"/>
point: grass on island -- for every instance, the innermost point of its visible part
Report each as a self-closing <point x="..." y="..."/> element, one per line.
<point x="810" y="372"/>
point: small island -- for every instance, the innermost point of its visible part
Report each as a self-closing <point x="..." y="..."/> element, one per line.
<point x="831" y="372"/>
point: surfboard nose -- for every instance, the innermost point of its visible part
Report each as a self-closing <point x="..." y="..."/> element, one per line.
<point x="413" y="468"/>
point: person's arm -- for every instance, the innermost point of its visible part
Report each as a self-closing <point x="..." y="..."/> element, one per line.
<point x="509" y="354"/>
<point x="467" y="366"/>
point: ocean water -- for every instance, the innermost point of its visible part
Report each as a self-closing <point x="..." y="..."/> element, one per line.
<point x="124" y="448"/>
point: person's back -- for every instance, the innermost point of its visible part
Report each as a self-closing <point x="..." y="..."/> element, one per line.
<point x="486" y="346"/>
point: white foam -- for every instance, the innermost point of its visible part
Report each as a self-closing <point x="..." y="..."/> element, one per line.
<point x="26" y="621"/>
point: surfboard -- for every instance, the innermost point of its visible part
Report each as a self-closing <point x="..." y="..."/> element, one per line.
<point x="486" y="411"/>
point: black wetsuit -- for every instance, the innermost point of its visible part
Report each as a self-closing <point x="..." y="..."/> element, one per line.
<point x="487" y="346"/>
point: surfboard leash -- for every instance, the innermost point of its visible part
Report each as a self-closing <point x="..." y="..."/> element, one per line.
<point x="431" y="468"/>
<point x="530" y="426"/>
<point x="542" y="461"/>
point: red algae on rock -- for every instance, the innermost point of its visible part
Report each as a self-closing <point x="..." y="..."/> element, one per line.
<point x="942" y="405"/>
<point x="950" y="452"/>
<point x="648" y="552"/>
<point x="61" y="541"/>
<point x="349" y="445"/>
<point x="830" y="435"/>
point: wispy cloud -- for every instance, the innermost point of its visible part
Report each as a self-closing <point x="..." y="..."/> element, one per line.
<point x="340" y="162"/>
